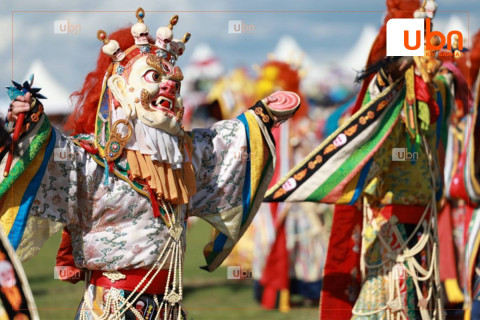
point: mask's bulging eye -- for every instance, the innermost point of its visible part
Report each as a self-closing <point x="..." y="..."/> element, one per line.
<point x="152" y="76"/>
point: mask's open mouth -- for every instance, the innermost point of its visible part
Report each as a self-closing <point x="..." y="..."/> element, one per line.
<point x="163" y="103"/>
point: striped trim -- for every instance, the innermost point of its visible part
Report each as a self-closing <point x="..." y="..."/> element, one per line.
<point x="360" y="154"/>
<point x="16" y="233"/>
<point x="246" y="192"/>
<point x="257" y="176"/>
<point x="361" y="182"/>
<point x="27" y="157"/>
<point x="220" y="240"/>
<point x="342" y="155"/>
<point x="219" y="243"/>
<point x="102" y="119"/>
<point x="13" y="198"/>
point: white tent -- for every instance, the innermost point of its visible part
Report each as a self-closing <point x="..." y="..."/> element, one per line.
<point x="316" y="73"/>
<point x="357" y="57"/>
<point x="203" y="64"/>
<point x="288" y="50"/>
<point x="57" y="96"/>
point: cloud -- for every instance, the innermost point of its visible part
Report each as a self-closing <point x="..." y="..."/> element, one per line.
<point x="5" y="25"/>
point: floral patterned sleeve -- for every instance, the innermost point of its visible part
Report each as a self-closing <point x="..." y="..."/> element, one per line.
<point x="220" y="172"/>
<point x="66" y="189"/>
<point x="234" y="162"/>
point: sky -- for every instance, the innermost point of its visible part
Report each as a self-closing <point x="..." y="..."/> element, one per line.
<point x="324" y="29"/>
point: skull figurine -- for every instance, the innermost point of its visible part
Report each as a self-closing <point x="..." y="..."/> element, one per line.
<point x="420" y="14"/>
<point x="110" y="47"/>
<point x="140" y="33"/>
<point x="140" y="30"/>
<point x="177" y="47"/>
<point x="164" y="37"/>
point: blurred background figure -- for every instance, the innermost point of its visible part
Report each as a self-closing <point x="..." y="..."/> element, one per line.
<point x="459" y="221"/>
<point x="360" y="267"/>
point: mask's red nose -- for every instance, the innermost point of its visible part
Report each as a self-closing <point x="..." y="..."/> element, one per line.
<point x="168" y="89"/>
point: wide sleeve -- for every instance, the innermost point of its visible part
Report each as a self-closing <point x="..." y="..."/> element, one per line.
<point x="233" y="162"/>
<point x="48" y="178"/>
<point x="67" y="184"/>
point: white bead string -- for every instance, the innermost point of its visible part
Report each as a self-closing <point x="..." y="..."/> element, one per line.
<point x="154" y="267"/>
<point x="127" y="300"/>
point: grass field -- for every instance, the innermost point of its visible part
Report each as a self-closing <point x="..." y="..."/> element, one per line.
<point x="208" y="296"/>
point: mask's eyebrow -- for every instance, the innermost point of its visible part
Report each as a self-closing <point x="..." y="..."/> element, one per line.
<point x="156" y="63"/>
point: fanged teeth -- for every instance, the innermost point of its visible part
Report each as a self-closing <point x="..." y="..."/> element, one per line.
<point x="159" y="101"/>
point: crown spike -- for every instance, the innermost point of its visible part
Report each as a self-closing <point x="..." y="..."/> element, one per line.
<point x="173" y="21"/>
<point x="102" y="36"/>
<point x="186" y="37"/>
<point x="140" y="14"/>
